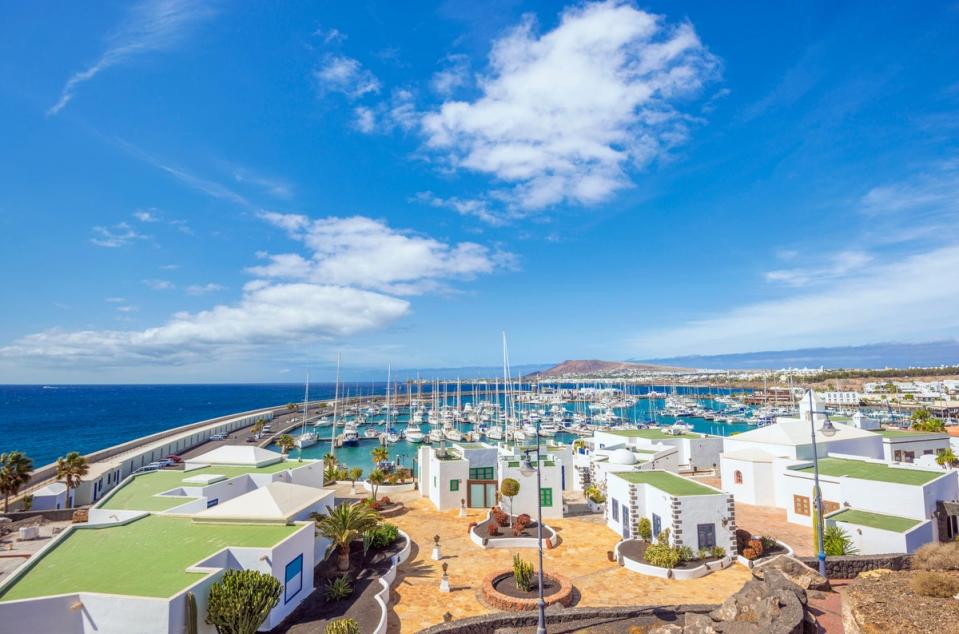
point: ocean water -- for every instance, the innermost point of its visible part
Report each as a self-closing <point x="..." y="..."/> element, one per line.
<point x="48" y="421"/>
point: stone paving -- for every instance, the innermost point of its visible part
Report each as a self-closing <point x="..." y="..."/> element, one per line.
<point x="766" y="520"/>
<point x="416" y="601"/>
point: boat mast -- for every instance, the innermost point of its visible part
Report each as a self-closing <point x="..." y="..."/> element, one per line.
<point x="336" y="402"/>
<point x="389" y="378"/>
<point x="306" y="413"/>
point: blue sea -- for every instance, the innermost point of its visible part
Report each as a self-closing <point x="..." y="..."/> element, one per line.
<point x="48" y="421"/>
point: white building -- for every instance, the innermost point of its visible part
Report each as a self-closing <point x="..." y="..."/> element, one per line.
<point x="697" y="515"/>
<point x="551" y="486"/>
<point x="51" y="497"/>
<point x="696" y="451"/>
<point x="840" y="399"/>
<point x="910" y="446"/>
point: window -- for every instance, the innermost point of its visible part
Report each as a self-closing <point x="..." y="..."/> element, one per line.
<point x="828" y="507"/>
<point x="615" y="510"/>
<point x="706" y="534"/>
<point x="546" y="497"/>
<point x="657" y="525"/>
<point x="897" y="455"/>
<point x="454" y="485"/>
<point x="482" y="473"/>
<point x="212" y="503"/>
<point x="801" y="505"/>
<point x="294" y="578"/>
<point x="927" y="452"/>
<point x="738" y="477"/>
<point x="909" y="456"/>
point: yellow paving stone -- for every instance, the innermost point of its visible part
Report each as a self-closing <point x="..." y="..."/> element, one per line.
<point x="417" y="602"/>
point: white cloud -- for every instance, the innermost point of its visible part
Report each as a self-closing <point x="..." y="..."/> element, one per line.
<point x="454" y="75"/>
<point x="275" y="187"/>
<point x="365" y="119"/>
<point x="144" y="215"/>
<point x="119" y="235"/>
<point x="906" y="300"/>
<point x="398" y="112"/>
<point x="346" y="75"/>
<point x="330" y="36"/>
<point x="839" y="265"/>
<point x="267" y="315"/>
<point x="360" y="251"/>
<point x="160" y="285"/>
<point x="475" y="207"/>
<point x="169" y="267"/>
<point x="115" y="300"/>
<point x="203" y="289"/>
<point x="126" y="308"/>
<point x="151" y="26"/>
<point x="563" y="115"/>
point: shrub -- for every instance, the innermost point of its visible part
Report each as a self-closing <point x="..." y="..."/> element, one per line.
<point x="342" y="626"/>
<point x="757" y="546"/>
<point x="769" y="543"/>
<point x="338" y="588"/>
<point x="241" y="601"/>
<point x="702" y="553"/>
<point x="742" y="539"/>
<point x="663" y="555"/>
<point x="837" y="542"/>
<point x="937" y="557"/>
<point x="685" y="553"/>
<point x="522" y="573"/>
<point x="382" y="536"/>
<point x="645" y="529"/>
<point x="935" y="584"/>
<point x="524" y="520"/>
<point x="718" y="552"/>
<point x="594" y="494"/>
<point x="493" y="529"/>
<point x="385" y="500"/>
<point x="749" y="553"/>
<point x="500" y="517"/>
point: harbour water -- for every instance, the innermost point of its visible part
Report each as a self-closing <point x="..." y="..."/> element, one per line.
<point x="48" y="421"/>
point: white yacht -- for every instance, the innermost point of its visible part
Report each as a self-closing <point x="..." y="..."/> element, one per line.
<point x="306" y="439"/>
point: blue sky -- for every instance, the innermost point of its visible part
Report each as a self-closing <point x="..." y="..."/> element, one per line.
<point x="210" y="191"/>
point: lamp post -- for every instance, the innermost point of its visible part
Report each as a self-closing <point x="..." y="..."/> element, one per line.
<point x="827" y="430"/>
<point x="527" y="470"/>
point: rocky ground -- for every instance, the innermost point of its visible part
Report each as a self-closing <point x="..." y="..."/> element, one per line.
<point x="882" y="602"/>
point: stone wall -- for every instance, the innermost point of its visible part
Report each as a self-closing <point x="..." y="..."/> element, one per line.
<point x="849" y="566"/>
<point x="52" y="515"/>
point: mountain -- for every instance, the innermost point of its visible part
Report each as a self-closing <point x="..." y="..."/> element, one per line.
<point x="451" y="374"/>
<point x="582" y="367"/>
<point x="872" y="356"/>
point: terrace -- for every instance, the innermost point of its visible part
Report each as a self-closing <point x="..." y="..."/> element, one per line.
<point x="861" y="470"/>
<point x="147" y="557"/>
<point x="892" y="523"/>
<point x="142" y="492"/>
<point x="665" y="481"/>
<point x="907" y="434"/>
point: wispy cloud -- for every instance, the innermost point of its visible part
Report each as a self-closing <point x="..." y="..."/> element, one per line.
<point x="564" y="116"/>
<point x="474" y="207"/>
<point x="144" y="215"/>
<point x="119" y="235"/>
<point x="339" y="73"/>
<point x="203" y="289"/>
<point x="273" y="186"/>
<point x="454" y="74"/>
<point x="150" y="26"/>
<point x="330" y="36"/>
<point x="836" y="266"/>
<point x="903" y="300"/>
<point x="159" y="285"/>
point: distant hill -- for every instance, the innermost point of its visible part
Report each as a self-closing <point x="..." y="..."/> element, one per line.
<point x="582" y="367"/>
<point x="873" y="356"/>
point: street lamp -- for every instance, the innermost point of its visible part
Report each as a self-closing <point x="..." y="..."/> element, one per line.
<point x="526" y="469"/>
<point x="828" y="430"/>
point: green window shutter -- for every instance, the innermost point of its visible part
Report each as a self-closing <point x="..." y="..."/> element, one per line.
<point x="454" y="485"/>
<point x="546" y="497"/>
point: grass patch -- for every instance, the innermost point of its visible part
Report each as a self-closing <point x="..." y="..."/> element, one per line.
<point x="892" y="523"/>
<point x="666" y="481"/>
<point x="146" y="558"/>
<point x="872" y="471"/>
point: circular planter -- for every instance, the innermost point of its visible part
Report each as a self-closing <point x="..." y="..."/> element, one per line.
<point x="562" y="596"/>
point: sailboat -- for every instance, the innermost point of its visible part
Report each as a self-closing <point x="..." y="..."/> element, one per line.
<point x="391" y="436"/>
<point x="306" y="438"/>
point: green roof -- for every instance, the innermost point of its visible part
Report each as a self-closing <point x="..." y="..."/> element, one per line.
<point x="666" y="481"/>
<point x="140" y="493"/>
<point x="892" y="523"/>
<point x="904" y="433"/>
<point x="147" y="557"/>
<point x="862" y="470"/>
<point x="651" y="434"/>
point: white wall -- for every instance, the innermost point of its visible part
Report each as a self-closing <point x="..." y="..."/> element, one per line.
<point x="704" y="509"/>
<point x="875" y="541"/>
<point x="300" y="543"/>
<point x="758" y="486"/>
<point x="440" y="473"/>
<point x="525" y="502"/>
<point x="918" y="447"/>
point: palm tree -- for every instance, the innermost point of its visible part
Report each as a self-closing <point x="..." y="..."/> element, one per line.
<point x="15" y="467"/>
<point x="342" y="524"/>
<point x="329" y="460"/>
<point x="71" y="470"/>
<point x="285" y="443"/>
<point x="258" y="426"/>
<point x="947" y="458"/>
<point x="355" y="474"/>
<point x="376" y="478"/>
<point x="380" y="454"/>
<point x="291" y="407"/>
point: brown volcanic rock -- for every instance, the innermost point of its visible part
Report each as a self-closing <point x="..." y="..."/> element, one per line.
<point x="885" y="603"/>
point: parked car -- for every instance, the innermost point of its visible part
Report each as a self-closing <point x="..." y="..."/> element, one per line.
<point x="175" y="458"/>
<point x="218" y="437"/>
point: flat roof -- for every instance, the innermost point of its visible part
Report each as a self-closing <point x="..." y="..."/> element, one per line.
<point x="666" y="481"/>
<point x="892" y="523"/>
<point x="905" y="433"/>
<point x="651" y="434"/>
<point x="147" y="557"/>
<point x="140" y="493"/>
<point x="878" y="472"/>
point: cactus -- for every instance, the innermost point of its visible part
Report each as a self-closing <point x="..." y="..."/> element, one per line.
<point x="241" y="601"/>
<point x="190" y="613"/>
<point x="522" y="573"/>
<point x="342" y="626"/>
